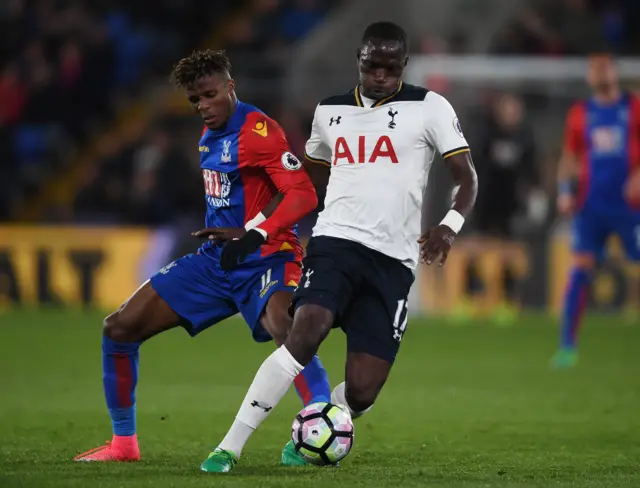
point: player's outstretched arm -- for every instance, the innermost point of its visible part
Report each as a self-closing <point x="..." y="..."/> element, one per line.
<point x="223" y="234"/>
<point x="319" y="174"/>
<point x="265" y="146"/>
<point x="298" y="194"/>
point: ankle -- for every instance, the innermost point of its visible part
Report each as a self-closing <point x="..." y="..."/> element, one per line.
<point x="125" y="440"/>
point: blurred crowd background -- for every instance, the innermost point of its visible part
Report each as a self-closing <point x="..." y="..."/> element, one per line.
<point x="91" y="131"/>
<point x="70" y="67"/>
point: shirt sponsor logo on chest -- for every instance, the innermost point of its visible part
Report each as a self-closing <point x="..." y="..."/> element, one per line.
<point x="359" y="150"/>
<point x="606" y="139"/>
<point x="217" y="188"/>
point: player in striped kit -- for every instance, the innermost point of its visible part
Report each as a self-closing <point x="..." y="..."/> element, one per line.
<point x="245" y="162"/>
<point x="599" y="187"/>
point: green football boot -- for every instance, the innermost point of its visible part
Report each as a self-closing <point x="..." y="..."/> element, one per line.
<point x="564" y="359"/>
<point x="291" y="457"/>
<point x="219" y="461"/>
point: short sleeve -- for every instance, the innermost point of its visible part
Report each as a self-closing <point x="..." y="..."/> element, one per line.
<point x="316" y="150"/>
<point x="442" y="127"/>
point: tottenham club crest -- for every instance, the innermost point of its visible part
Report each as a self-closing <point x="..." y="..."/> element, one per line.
<point x="392" y="122"/>
<point x="226" y="151"/>
<point x="290" y="162"/>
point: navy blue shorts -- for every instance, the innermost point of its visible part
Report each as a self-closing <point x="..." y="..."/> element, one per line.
<point x="202" y="294"/>
<point x="366" y="290"/>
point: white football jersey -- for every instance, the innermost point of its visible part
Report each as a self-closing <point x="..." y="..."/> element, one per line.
<point x="380" y="153"/>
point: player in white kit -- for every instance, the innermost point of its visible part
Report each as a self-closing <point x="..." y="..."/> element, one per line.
<point x="374" y="146"/>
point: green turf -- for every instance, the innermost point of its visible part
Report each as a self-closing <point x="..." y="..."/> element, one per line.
<point x="471" y="406"/>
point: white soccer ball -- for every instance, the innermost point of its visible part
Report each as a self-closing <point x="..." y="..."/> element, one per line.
<point x="322" y="433"/>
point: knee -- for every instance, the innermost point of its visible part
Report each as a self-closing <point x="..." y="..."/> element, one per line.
<point x="119" y="329"/>
<point x="361" y="390"/>
<point x="311" y="325"/>
<point x="277" y="322"/>
<point x="361" y="394"/>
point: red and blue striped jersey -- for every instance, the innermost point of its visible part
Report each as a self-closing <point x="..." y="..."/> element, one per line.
<point x="605" y="140"/>
<point x="244" y="165"/>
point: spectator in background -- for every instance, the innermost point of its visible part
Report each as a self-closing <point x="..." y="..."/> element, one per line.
<point x="102" y="198"/>
<point x="529" y="34"/>
<point x="12" y="95"/>
<point x="164" y="182"/>
<point x="579" y="27"/>
<point x="70" y="81"/>
<point x="72" y="63"/>
<point x="148" y="203"/>
<point x="298" y="20"/>
<point x="614" y="26"/>
<point x="506" y="165"/>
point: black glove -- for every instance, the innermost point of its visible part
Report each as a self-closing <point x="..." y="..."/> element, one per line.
<point x="237" y="250"/>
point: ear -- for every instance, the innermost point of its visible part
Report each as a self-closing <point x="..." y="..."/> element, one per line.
<point x="358" y="52"/>
<point x="231" y="85"/>
<point x="406" y="60"/>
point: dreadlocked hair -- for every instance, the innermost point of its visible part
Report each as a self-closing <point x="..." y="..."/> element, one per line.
<point x="199" y="64"/>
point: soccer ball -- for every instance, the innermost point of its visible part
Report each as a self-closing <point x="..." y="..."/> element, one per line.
<point x="322" y="433"/>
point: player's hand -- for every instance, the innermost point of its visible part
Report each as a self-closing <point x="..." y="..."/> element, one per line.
<point x="236" y="250"/>
<point x="220" y="234"/>
<point x="436" y="243"/>
<point x="566" y="204"/>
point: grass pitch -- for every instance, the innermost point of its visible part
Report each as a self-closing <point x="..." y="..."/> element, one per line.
<point x="471" y="406"/>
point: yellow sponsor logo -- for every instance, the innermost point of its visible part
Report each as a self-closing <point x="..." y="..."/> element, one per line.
<point x="261" y="129"/>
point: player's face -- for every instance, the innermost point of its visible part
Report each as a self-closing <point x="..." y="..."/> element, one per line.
<point x="602" y="73"/>
<point x="213" y="98"/>
<point x="380" y="65"/>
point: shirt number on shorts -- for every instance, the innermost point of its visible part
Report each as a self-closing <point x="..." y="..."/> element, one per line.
<point x="265" y="280"/>
<point x="400" y="320"/>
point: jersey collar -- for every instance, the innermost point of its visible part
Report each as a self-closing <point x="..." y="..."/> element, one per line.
<point x="235" y="121"/>
<point x="380" y="102"/>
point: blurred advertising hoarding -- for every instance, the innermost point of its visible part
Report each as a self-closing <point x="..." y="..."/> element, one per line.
<point x="101" y="266"/>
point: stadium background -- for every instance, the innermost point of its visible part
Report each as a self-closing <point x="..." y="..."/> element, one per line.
<point x="100" y="186"/>
<point x="91" y="134"/>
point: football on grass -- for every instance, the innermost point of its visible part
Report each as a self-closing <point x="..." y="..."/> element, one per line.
<point x="322" y="433"/>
